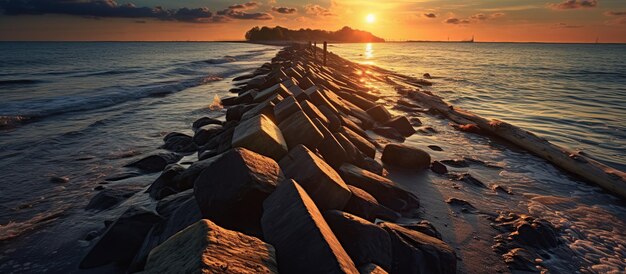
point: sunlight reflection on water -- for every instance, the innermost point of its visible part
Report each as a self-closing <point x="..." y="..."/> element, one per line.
<point x="570" y="94"/>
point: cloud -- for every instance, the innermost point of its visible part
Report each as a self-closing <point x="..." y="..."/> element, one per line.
<point x="480" y="17"/>
<point x="574" y="4"/>
<point x="474" y="18"/>
<point x="456" y="21"/>
<point x="318" y="10"/>
<point x="111" y="9"/>
<point x="568" y="26"/>
<point x="430" y="15"/>
<point x="285" y="10"/>
<point x="244" y="6"/>
<point x="619" y="17"/>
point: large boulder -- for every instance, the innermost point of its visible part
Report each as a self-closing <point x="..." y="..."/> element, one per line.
<point x="405" y="157"/>
<point x="313" y="112"/>
<point x="352" y="152"/>
<point x="299" y="129"/>
<point x="364" y="205"/>
<point x="415" y="252"/>
<point x="179" y="142"/>
<point x="246" y="97"/>
<point x="320" y="180"/>
<point x="369" y="164"/>
<point x="334" y="122"/>
<point x="379" y="113"/>
<point x="401" y="124"/>
<point x="262" y="136"/>
<point x="330" y="148"/>
<point x="179" y="213"/>
<point x="268" y="92"/>
<point x="204" y="134"/>
<point x="187" y="178"/>
<point x="385" y="191"/>
<point x="110" y="197"/>
<point x="231" y="190"/>
<point x="389" y="132"/>
<point x="205" y="121"/>
<point x="205" y="247"/>
<point x="166" y="184"/>
<point x="156" y="162"/>
<point x="304" y="243"/>
<point x="361" y="143"/>
<point x="266" y="108"/>
<point x="286" y="108"/>
<point x="319" y="99"/>
<point x="234" y="113"/>
<point x="122" y="239"/>
<point x="364" y="242"/>
<point x="219" y="143"/>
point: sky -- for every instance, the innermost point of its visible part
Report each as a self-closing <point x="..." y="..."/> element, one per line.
<point x="393" y="20"/>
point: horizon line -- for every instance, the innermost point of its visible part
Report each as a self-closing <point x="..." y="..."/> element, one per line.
<point x="245" y="41"/>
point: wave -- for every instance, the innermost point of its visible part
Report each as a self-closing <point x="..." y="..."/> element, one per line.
<point x="225" y="59"/>
<point x="109" y="72"/>
<point x="19" y="112"/>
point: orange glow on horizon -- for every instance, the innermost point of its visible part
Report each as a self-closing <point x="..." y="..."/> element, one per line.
<point x="390" y="20"/>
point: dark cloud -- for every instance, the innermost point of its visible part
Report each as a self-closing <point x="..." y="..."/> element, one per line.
<point x="238" y="12"/>
<point x="430" y="15"/>
<point x="285" y="10"/>
<point x="318" y="10"/>
<point x="474" y="18"/>
<point x="480" y="17"/>
<point x="244" y="6"/>
<point x="456" y="21"/>
<point x="111" y="9"/>
<point x="574" y="4"/>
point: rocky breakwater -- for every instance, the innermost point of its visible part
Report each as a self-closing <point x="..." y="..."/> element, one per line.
<point x="289" y="183"/>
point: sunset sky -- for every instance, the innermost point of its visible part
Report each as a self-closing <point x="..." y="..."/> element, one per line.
<point x="488" y="20"/>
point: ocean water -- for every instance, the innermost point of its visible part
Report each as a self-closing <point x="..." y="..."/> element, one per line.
<point x="574" y="95"/>
<point x="82" y="110"/>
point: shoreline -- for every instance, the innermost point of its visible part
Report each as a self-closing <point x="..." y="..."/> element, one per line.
<point x="338" y="132"/>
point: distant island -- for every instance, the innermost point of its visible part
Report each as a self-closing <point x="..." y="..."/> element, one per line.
<point x="278" y="33"/>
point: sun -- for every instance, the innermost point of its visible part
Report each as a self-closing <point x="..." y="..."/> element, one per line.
<point x="370" y="18"/>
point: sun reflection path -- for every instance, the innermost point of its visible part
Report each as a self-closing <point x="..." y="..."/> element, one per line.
<point x="369" y="51"/>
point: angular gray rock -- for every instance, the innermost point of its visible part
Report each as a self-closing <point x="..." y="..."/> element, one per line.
<point x="364" y="205"/>
<point x="304" y="243"/>
<point x="415" y="252"/>
<point x="262" y="136"/>
<point x="299" y="129"/>
<point x="405" y="157"/>
<point x="385" y="191"/>
<point x="204" y="247"/>
<point x="122" y="239"/>
<point x="231" y="190"/>
<point x="364" y="242"/>
<point x="320" y="180"/>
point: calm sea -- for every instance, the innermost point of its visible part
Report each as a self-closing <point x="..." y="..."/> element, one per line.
<point x="572" y="94"/>
<point x="81" y="110"/>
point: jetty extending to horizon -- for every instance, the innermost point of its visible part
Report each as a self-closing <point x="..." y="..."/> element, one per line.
<point x="292" y="181"/>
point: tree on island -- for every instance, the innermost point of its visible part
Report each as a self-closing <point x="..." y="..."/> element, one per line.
<point x="278" y="33"/>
